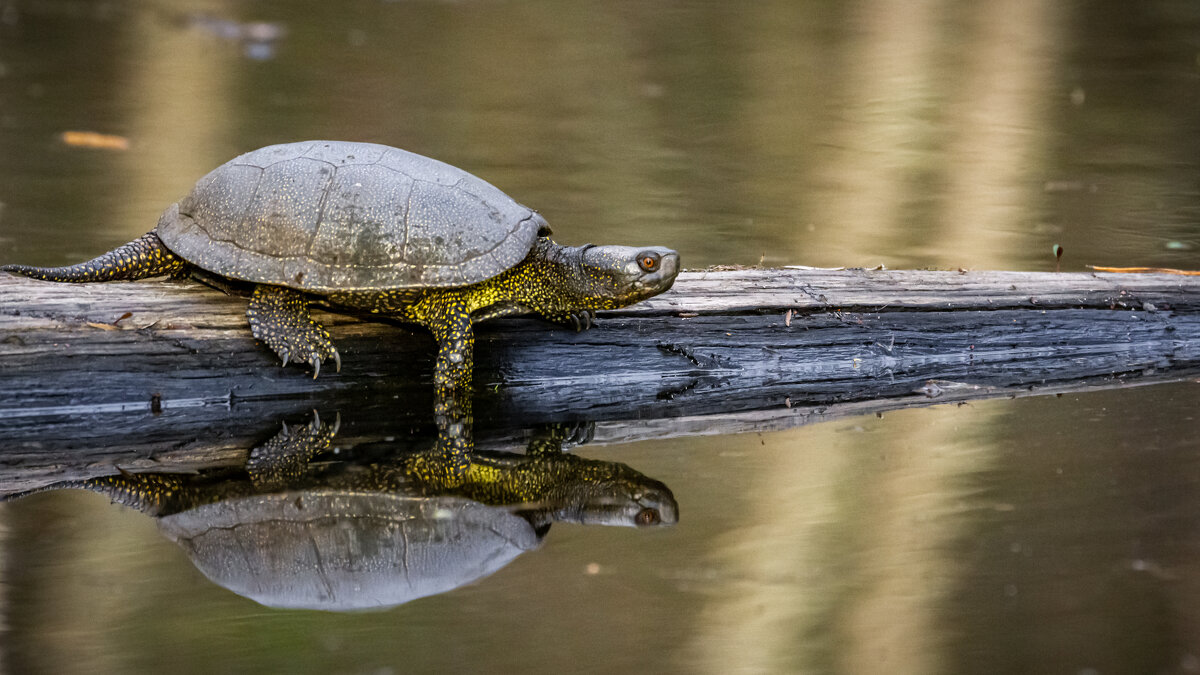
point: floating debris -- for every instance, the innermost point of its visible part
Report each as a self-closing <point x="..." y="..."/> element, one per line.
<point x="92" y="139"/>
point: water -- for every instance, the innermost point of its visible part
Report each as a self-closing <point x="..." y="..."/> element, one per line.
<point x="1032" y="535"/>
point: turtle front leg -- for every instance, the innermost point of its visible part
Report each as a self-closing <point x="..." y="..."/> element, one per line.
<point x="285" y="457"/>
<point x="456" y="345"/>
<point x="279" y="317"/>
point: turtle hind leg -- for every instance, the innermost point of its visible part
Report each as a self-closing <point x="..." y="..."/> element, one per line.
<point x="279" y="317"/>
<point x="143" y="257"/>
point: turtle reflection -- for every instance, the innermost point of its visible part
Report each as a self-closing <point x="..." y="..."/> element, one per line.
<point x="288" y="532"/>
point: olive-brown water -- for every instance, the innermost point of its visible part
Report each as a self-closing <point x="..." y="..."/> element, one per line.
<point x="1057" y="535"/>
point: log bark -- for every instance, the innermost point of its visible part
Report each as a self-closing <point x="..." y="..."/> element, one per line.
<point x="148" y="371"/>
<point x="751" y="336"/>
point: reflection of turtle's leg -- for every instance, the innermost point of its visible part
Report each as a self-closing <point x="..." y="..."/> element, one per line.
<point x="286" y="456"/>
<point x="143" y="257"/>
<point x="554" y="438"/>
<point x="279" y="317"/>
<point x="451" y="457"/>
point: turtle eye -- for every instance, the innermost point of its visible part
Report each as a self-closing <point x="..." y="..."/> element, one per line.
<point x="648" y="261"/>
<point x="646" y="517"/>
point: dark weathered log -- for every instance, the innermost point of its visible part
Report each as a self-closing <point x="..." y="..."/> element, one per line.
<point x="83" y="366"/>
<point x="754" y="335"/>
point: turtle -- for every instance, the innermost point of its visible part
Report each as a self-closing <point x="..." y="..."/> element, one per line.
<point x="343" y="535"/>
<point x="379" y="231"/>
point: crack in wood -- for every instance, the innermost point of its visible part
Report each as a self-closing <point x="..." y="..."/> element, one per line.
<point x="672" y="394"/>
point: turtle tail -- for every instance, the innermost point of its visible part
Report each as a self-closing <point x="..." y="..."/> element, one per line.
<point x="143" y="257"/>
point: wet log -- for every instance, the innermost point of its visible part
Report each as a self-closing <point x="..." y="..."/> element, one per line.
<point x="166" y="372"/>
<point x="718" y="341"/>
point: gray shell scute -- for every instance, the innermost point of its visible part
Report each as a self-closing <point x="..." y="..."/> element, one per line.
<point x="282" y="217"/>
<point x="421" y="167"/>
<point x="442" y="247"/>
<point x="357" y="226"/>
<point x="222" y="196"/>
<point x="273" y="154"/>
<point x="328" y="215"/>
<point x="339" y="155"/>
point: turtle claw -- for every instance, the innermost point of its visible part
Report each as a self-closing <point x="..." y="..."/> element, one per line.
<point x="580" y="433"/>
<point x="316" y="357"/>
<point x="583" y="320"/>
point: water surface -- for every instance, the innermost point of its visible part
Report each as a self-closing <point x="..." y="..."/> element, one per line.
<point x="1032" y="535"/>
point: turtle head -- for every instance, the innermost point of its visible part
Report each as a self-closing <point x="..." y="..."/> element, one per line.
<point x="608" y="277"/>
<point x="644" y="502"/>
<point x="622" y="498"/>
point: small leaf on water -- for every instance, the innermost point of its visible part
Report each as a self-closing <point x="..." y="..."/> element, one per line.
<point x="91" y="139"/>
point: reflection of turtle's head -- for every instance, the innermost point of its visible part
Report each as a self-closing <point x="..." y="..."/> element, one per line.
<point x="629" y="501"/>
